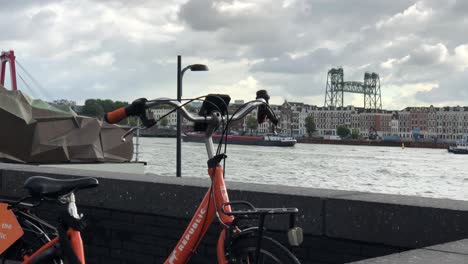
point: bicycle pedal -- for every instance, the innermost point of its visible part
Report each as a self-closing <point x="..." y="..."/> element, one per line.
<point x="295" y="236"/>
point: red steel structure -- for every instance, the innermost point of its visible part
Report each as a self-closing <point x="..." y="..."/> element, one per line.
<point x="8" y="56"/>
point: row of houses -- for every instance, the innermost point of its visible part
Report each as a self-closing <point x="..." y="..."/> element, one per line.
<point x="441" y="124"/>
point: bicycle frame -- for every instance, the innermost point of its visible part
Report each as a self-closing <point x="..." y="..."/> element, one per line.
<point x="206" y="212"/>
<point x="76" y="243"/>
<point x="201" y="221"/>
<point x="216" y="200"/>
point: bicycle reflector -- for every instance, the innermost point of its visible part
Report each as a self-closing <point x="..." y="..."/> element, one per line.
<point x="295" y="236"/>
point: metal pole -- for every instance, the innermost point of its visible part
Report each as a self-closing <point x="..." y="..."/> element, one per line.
<point x="179" y="118"/>
<point x="137" y="145"/>
<point x="13" y="71"/>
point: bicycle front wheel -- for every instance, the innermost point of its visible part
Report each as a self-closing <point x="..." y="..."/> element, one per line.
<point x="243" y="251"/>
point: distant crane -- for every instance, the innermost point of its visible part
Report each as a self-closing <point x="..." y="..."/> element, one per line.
<point x="336" y="87"/>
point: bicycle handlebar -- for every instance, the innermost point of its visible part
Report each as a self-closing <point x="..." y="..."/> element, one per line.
<point x="205" y="119"/>
<point x="139" y="106"/>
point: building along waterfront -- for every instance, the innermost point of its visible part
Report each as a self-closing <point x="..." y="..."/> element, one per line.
<point x="429" y="124"/>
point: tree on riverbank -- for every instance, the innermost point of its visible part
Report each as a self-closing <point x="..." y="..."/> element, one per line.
<point x="251" y="123"/>
<point x="92" y="108"/>
<point x="98" y="107"/>
<point x="355" y="133"/>
<point x="310" y="125"/>
<point x="342" y="131"/>
<point x="163" y="122"/>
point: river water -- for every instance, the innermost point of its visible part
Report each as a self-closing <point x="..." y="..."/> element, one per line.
<point x="410" y="171"/>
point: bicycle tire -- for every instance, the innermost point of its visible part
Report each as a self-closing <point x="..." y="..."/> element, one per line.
<point x="243" y="251"/>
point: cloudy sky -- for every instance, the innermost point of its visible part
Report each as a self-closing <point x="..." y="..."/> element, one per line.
<point x="128" y="49"/>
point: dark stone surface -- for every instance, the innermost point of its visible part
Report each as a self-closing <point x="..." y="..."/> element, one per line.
<point x="389" y="223"/>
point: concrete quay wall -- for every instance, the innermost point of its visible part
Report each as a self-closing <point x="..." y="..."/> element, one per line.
<point x="139" y="218"/>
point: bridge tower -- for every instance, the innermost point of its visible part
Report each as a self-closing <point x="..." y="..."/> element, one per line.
<point x="8" y="56"/>
<point x="336" y="87"/>
<point x="372" y="96"/>
<point x="334" y="91"/>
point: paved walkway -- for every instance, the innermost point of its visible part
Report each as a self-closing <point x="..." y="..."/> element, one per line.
<point x="448" y="253"/>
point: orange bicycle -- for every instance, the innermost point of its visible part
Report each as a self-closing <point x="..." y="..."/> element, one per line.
<point x="235" y="244"/>
<point x="31" y="240"/>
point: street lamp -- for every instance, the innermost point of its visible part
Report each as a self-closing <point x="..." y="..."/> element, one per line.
<point x="180" y="75"/>
<point x="194" y="67"/>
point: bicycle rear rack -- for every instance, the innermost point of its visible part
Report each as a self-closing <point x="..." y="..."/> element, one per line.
<point x="295" y="234"/>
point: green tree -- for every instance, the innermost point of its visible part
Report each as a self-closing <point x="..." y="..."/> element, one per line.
<point x="252" y="123"/>
<point x="107" y="105"/>
<point x="97" y="108"/>
<point x="310" y="125"/>
<point x="92" y="108"/>
<point x="355" y="133"/>
<point x="163" y="122"/>
<point x="190" y="108"/>
<point x="342" y="131"/>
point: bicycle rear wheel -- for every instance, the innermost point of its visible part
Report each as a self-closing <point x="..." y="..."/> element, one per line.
<point x="243" y="251"/>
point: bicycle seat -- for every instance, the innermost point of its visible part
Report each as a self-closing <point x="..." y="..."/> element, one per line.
<point x="39" y="186"/>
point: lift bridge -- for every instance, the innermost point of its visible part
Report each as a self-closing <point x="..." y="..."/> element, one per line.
<point x="336" y="87"/>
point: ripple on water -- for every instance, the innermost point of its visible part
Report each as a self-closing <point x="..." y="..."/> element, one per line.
<point x="383" y="171"/>
<point x="423" y="172"/>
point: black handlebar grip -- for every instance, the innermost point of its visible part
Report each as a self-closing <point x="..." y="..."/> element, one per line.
<point x="265" y="111"/>
<point x="137" y="107"/>
<point x="263" y="94"/>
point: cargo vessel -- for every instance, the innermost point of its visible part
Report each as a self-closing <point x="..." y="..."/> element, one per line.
<point x="267" y="140"/>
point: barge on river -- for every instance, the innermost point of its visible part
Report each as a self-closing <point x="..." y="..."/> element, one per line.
<point x="268" y="140"/>
<point x="459" y="148"/>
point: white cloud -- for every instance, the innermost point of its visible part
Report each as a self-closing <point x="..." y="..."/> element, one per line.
<point x="461" y="57"/>
<point x="429" y="54"/>
<point x="100" y="87"/>
<point x="388" y="64"/>
<point x="241" y="89"/>
<point x="415" y="14"/>
<point x="234" y="7"/>
<point x="103" y="59"/>
<point x="397" y="97"/>
<point x="288" y="3"/>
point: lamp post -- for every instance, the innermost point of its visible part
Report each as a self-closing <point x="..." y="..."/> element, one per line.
<point x="180" y="75"/>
